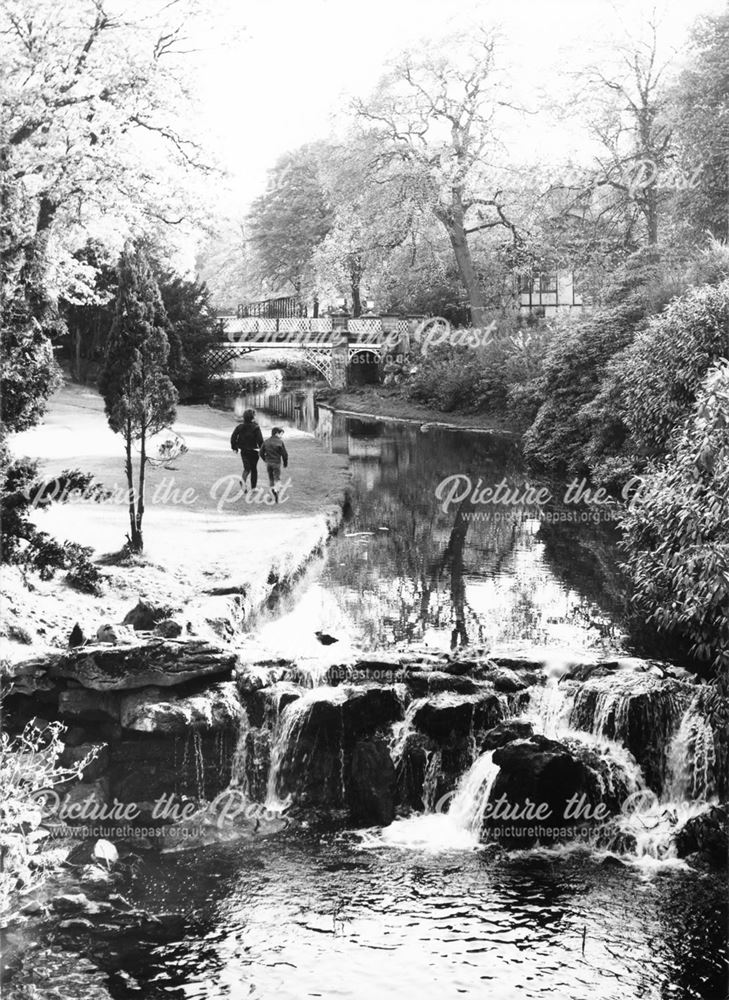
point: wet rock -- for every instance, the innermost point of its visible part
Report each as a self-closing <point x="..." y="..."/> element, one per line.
<point x="323" y="731"/>
<point x="77" y="637"/>
<point x="537" y="773"/>
<point x="368" y="709"/>
<point x="706" y="835"/>
<point x="169" y="628"/>
<point x="76" y="902"/>
<point x="98" y="763"/>
<point x="264" y="705"/>
<point x="410" y="771"/>
<point x="504" y="733"/>
<point x="449" y="718"/>
<point x="158" y="662"/>
<point x="426" y="682"/>
<point x="143" y="617"/>
<point x="312" y="767"/>
<point x="153" y="710"/>
<point x="371" y="784"/>
<point x="197" y="763"/>
<point x="637" y="709"/>
<point x="506" y="680"/>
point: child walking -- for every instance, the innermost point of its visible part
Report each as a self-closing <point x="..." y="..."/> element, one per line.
<point x="273" y="453"/>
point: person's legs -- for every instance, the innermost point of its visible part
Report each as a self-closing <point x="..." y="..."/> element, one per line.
<point x="250" y="467"/>
<point x="274" y="476"/>
<point x="246" y="467"/>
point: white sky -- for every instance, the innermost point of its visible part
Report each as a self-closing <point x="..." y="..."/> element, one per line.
<point x="287" y="65"/>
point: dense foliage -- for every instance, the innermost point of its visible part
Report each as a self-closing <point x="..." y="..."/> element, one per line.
<point x="677" y="529"/>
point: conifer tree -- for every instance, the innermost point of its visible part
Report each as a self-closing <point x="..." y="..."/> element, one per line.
<point x="139" y="397"/>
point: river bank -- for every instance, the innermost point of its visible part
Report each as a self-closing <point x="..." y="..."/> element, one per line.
<point x="385" y="403"/>
<point x="203" y="540"/>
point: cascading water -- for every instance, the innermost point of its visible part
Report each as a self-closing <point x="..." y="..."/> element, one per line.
<point x="691" y="758"/>
<point x="468" y="805"/>
<point x="550" y="706"/>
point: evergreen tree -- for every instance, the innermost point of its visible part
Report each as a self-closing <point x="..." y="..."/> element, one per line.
<point x="193" y="330"/>
<point x="139" y="396"/>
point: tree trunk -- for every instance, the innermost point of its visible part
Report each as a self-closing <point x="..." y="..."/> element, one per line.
<point x="142" y="474"/>
<point x="135" y="538"/>
<point x="457" y="234"/>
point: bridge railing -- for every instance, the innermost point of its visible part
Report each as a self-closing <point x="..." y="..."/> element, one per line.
<point x="324" y="329"/>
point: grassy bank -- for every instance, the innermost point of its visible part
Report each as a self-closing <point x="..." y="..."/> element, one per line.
<point x="201" y="538"/>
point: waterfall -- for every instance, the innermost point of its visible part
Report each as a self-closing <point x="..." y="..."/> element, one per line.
<point x="469" y="803"/>
<point x="550" y="707"/>
<point x="282" y="738"/>
<point x="691" y="758"/>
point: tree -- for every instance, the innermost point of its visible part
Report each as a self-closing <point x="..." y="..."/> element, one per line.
<point x="193" y="329"/>
<point x="437" y="121"/>
<point x="94" y="139"/>
<point x="701" y="104"/>
<point x="368" y="221"/>
<point x="289" y="221"/>
<point x="139" y="396"/>
<point x="88" y="317"/>
<point x="633" y="124"/>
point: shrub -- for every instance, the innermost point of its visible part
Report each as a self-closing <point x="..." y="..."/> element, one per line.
<point x="676" y="530"/>
<point x="28" y="763"/>
<point x="26" y="545"/>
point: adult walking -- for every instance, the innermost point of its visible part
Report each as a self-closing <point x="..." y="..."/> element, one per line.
<point x="247" y="438"/>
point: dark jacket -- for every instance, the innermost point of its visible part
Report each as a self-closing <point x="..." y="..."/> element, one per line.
<point x="246" y="437"/>
<point x="273" y="451"/>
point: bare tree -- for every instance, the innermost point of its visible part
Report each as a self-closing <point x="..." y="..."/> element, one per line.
<point x="437" y="119"/>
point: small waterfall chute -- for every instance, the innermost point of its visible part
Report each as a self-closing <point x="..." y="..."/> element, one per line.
<point x="468" y="806"/>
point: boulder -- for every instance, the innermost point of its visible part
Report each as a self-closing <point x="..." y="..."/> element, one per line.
<point x="169" y="628"/>
<point x="706" y="835"/>
<point x="534" y="773"/>
<point x="143" y="617"/>
<point x="505" y="680"/>
<point x="448" y="718"/>
<point x="77" y="637"/>
<point x="371" y="784"/>
<point x="504" y="733"/>
<point x="158" y="662"/>
<point x="168" y="712"/>
<point x="368" y="709"/>
<point x="113" y="634"/>
<point x="322" y="730"/>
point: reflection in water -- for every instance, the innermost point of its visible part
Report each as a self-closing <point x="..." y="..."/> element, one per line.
<point x="404" y="570"/>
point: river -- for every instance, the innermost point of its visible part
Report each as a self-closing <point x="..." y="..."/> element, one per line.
<point x="416" y="911"/>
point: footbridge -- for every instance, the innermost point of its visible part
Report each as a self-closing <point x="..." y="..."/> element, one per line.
<point x="329" y="343"/>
